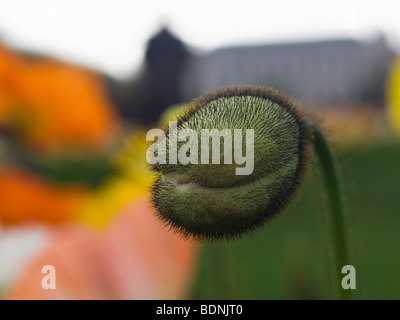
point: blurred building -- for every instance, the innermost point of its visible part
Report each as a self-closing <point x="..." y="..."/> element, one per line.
<point x="319" y="73"/>
<point x="157" y="86"/>
<point x="324" y="72"/>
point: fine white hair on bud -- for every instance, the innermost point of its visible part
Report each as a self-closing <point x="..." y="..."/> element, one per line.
<point x="237" y="179"/>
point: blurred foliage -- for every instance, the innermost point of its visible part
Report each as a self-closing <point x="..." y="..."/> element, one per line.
<point x="62" y="168"/>
<point x="290" y="258"/>
<point x="75" y="168"/>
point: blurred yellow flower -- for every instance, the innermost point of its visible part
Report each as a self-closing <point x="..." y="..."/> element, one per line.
<point x="173" y="112"/>
<point x="393" y="95"/>
<point x="132" y="180"/>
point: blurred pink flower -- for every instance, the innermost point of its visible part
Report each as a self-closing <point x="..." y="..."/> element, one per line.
<point x="134" y="258"/>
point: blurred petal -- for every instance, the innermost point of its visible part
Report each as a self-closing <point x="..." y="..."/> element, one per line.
<point x="51" y="104"/>
<point x="18" y="245"/>
<point x="135" y="259"/>
<point x="28" y="197"/>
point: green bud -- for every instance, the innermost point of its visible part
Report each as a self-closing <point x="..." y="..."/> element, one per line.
<point x="257" y="175"/>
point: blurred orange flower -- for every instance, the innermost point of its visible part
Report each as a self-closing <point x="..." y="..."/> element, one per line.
<point x="26" y="197"/>
<point x="135" y="258"/>
<point x="50" y="104"/>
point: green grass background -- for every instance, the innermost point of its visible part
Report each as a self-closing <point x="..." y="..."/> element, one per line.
<point x="290" y="258"/>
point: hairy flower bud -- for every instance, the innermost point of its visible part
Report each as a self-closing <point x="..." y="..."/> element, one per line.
<point x="244" y="189"/>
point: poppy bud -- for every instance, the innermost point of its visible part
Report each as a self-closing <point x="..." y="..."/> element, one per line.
<point x="263" y="145"/>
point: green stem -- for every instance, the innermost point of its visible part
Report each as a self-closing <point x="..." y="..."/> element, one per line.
<point x="336" y="211"/>
<point x="223" y="278"/>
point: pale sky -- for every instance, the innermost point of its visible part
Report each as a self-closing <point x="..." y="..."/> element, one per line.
<point x="111" y="35"/>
